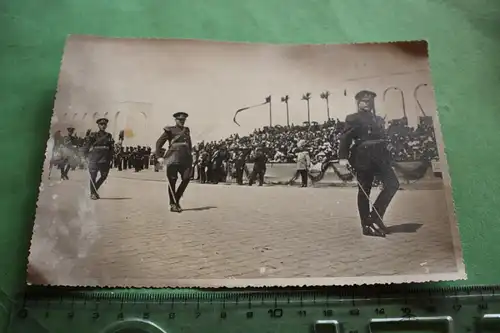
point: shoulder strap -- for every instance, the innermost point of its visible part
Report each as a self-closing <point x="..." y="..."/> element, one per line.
<point x="98" y="141"/>
<point x="178" y="136"/>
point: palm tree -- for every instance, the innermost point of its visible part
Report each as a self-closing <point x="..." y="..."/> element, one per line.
<point x="268" y="101"/>
<point x="306" y="97"/>
<point x="285" y="100"/>
<point x="325" y="95"/>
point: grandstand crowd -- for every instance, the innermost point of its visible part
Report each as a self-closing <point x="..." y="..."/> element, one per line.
<point x="279" y="143"/>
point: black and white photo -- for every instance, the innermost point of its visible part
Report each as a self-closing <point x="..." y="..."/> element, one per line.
<point x="188" y="163"/>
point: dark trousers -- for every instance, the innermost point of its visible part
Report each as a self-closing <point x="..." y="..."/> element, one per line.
<point x="303" y="177"/>
<point x="368" y="163"/>
<point x="210" y="173"/>
<point x="173" y="171"/>
<point x="65" y="167"/>
<point x="196" y="168"/>
<point x="257" y="174"/>
<point x="138" y="165"/>
<point x="119" y="163"/>
<point x="239" y="174"/>
<point x="94" y="170"/>
<point x="218" y="173"/>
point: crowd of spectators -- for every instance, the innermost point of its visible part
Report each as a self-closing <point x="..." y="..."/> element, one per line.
<point x="279" y="143"/>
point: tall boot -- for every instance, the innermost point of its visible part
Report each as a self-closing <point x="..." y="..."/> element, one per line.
<point x="375" y="218"/>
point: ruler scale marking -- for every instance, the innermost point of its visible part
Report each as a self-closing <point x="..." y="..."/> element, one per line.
<point x="467" y="308"/>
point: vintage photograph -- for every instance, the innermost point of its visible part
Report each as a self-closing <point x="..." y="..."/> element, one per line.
<point x="189" y="163"/>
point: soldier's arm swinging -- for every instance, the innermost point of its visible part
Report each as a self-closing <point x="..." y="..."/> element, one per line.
<point x="164" y="137"/>
<point x="346" y="138"/>
<point x="111" y="148"/>
<point x="188" y="134"/>
<point x="88" y="145"/>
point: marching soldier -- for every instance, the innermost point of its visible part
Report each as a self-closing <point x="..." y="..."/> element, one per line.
<point x="70" y="153"/>
<point x="369" y="156"/>
<point x="99" y="150"/>
<point x="178" y="158"/>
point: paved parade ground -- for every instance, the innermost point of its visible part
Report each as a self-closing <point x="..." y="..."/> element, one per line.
<point x="228" y="231"/>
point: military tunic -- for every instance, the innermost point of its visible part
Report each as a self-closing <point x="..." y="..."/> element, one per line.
<point x="180" y="147"/>
<point x="100" y="147"/>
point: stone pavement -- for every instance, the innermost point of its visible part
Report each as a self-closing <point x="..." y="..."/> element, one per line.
<point x="229" y="231"/>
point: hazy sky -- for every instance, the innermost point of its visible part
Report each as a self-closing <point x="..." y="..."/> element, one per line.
<point x="211" y="80"/>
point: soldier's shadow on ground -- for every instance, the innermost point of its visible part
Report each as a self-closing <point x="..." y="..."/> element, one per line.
<point x="404" y="228"/>
<point x="198" y="209"/>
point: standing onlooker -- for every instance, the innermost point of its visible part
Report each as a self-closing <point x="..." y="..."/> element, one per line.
<point x="303" y="161"/>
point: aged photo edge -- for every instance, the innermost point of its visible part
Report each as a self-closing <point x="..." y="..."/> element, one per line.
<point x="460" y="274"/>
<point x="448" y="190"/>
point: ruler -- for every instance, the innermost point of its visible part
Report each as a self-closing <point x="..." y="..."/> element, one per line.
<point x="343" y="310"/>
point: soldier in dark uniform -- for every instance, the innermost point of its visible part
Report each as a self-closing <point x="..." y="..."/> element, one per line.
<point x="219" y="158"/>
<point x="259" y="167"/>
<point x="130" y="160"/>
<point x="116" y="157"/>
<point x="126" y="156"/>
<point x="99" y="150"/>
<point x="137" y="156"/>
<point x="147" y="158"/>
<point x="204" y="165"/>
<point x="369" y="156"/>
<point x="121" y="154"/>
<point x="240" y="166"/>
<point x="178" y="158"/>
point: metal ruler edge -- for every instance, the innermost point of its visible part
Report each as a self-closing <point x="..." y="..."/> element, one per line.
<point x="466" y="307"/>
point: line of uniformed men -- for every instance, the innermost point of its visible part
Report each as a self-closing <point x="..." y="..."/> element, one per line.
<point x="216" y="167"/>
<point x="137" y="158"/>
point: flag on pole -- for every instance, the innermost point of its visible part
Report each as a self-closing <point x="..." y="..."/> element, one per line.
<point x="267" y="101"/>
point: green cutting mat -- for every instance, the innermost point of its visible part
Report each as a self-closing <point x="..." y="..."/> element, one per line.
<point x="464" y="38"/>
